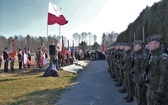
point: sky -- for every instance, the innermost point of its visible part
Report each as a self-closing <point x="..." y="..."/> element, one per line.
<point x="23" y="17"/>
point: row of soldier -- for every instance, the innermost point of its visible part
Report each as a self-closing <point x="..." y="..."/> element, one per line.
<point x="142" y="72"/>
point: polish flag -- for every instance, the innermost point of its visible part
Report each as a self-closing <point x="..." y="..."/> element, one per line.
<point x="12" y="50"/>
<point x="54" y="16"/>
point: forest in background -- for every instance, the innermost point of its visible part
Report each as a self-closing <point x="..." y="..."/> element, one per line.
<point x="154" y="19"/>
<point x="33" y="43"/>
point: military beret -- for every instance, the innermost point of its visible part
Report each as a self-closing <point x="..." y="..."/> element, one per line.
<point x="155" y="37"/>
<point x="122" y="44"/>
<point x="138" y="42"/>
<point x="128" y="44"/>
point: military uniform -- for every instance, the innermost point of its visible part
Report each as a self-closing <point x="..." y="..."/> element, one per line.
<point x="39" y="55"/>
<point x="6" y="59"/>
<point x="120" y="66"/>
<point x="112" y="63"/>
<point x="140" y="63"/>
<point x="128" y="81"/>
<point x="20" y="59"/>
<point x="157" y="86"/>
<point x="116" y="59"/>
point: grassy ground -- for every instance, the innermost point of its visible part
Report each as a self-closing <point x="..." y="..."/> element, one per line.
<point x="28" y="87"/>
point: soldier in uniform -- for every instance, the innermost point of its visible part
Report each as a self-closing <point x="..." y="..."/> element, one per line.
<point x="128" y="81"/>
<point x="120" y="66"/>
<point x="116" y="56"/>
<point x="157" y="86"/>
<point x="107" y="58"/>
<point x="112" y="62"/>
<point x="6" y="59"/>
<point x="20" y="59"/>
<point x="140" y="63"/>
<point x="39" y="55"/>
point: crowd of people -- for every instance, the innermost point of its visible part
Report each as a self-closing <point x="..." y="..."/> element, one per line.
<point x="41" y="56"/>
<point x="69" y="57"/>
<point x="141" y="71"/>
<point x="24" y="58"/>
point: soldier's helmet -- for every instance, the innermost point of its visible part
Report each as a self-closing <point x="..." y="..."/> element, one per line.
<point x="155" y="37"/>
<point x="128" y="44"/>
<point x="140" y="42"/>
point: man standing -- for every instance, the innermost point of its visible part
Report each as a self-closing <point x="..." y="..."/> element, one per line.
<point x="140" y="63"/>
<point x="20" y="59"/>
<point x="28" y="57"/>
<point x="6" y="59"/>
<point x="12" y="62"/>
<point x="157" y="86"/>
<point x="39" y="54"/>
<point x="128" y="81"/>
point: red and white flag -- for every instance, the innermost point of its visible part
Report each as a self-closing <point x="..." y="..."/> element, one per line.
<point x="12" y="50"/>
<point x="54" y="16"/>
<point x="103" y="45"/>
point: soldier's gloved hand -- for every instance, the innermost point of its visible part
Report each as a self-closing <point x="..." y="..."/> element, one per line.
<point x="140" y="83"/>
<point x="132" y="71"/>
<point x="157" y="98"/>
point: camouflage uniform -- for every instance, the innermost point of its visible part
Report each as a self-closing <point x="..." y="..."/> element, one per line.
<point x="121" y="64"/>
<point x="108" y="60"/>
<point x="140" y="63"/>
<point x="128" y="81"/>
<point x="157" y="86"/>
<point x="112" y="63"/>
<point x="116" y="59"/>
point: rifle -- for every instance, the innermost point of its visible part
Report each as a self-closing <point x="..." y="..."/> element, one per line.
<point x="144" y="75"/>
<point x="132" y="69"/>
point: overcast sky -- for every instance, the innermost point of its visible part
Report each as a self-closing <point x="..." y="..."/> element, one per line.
<point x="22" y="17"/>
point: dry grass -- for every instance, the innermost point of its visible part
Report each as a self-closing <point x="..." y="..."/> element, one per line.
<point x="29" y="87"/>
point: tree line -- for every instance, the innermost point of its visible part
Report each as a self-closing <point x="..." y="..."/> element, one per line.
<point x="109" y="38"/>
<point x="33" y="43"/>
<point x="89" y="38"/>
<point x="154" y="19"/>
<point x="28" y="41"/>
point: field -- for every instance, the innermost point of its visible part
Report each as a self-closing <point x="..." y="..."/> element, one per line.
<point x="29" y="87"/>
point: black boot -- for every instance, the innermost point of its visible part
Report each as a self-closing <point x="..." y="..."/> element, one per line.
<point x="126" y="97"/>
<point x="118" y="84"/>
<point x="130" y="99"/>
<point x="116" y="80"/>
<point x="123" y="90"/>
<point x="112" y="77"/>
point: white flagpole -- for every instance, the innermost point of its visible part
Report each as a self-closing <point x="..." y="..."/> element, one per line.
<point x="60" y="36"/>
<point x="47" y="30"/>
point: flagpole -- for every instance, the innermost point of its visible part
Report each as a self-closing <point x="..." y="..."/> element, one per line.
<point x="134" y="36"/>
<point x="59" y="29"/>
<point x="47" y="30"/>
<point x="143" y="34"/>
